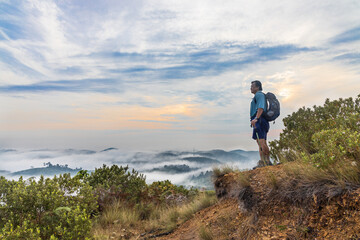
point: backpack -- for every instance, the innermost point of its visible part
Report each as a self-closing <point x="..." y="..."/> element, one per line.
<point x="272" y="107"/>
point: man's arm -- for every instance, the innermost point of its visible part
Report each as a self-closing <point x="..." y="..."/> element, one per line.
<point x="258" y="115"/>
<point x="259" y="112"/>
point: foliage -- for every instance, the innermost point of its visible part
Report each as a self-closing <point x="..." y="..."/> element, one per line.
<point x="334" y="145"/>
<point x="47" y="208"/>
<point x="315" y="132"/>
<point x="115" y="183"/>
<point x="65" y="207"/>
<point x="24" y="231"/>
<point x="160" y="190"/>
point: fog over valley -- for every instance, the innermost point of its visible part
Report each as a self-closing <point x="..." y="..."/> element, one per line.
<point x="189" y="168"/>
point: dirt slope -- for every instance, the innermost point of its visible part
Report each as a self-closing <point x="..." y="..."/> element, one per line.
<point x="266" y="204"/>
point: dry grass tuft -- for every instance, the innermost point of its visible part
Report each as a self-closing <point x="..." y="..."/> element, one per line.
<point x="220" y="171"/>
<point x="162" y="218"/>
<point x="243" y="178"/>
<point x="248" y="226"/>
<point x="119" y="214"/>
<point x="205" y="233"/>
<point x="305" y="184"/>
<point x="169" y="217"/>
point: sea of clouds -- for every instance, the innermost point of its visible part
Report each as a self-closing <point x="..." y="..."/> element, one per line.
<point x="12" y="160"/>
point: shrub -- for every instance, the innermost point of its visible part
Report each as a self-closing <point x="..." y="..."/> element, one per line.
<point x="24" y="231"/>
<point x="47" y="209"/>
<point x="115" y="183"/>
<point x="323" y="141"/>
<point x="334" y="145"/>
<point x="160" y="191"/>
<point x="300" y="126"/>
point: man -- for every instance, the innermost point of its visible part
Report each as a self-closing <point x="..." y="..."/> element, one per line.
<point x="259" y="124"/>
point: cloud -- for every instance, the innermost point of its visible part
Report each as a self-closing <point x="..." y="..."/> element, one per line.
<point x="144" y="162"/>
<point x="353" y="58"/>
<point x="84" y="85"/>
<point x="195" y="63"/>
<point x="351" y="35"/>
<point x="148" y="74"/>
<point x="17" y="65"/>
<point x="10" y="27"/>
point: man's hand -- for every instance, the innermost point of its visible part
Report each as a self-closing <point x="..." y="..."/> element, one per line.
<point x="258" y="115"/>
<point x="253" y="122"/>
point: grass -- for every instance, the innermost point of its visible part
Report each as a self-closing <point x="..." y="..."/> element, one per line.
<point x="205" y="233"/>
<point x="174" y="215"/>
<point x="272" y="180"/>
<point x="281" y="227"/>
<point x="220" y="171"/>
<point x="343" y="172"/>
<point x="162" y="218"/>
<point x="243" y="178"/>
<point x="345" y="169"/>
<point x="248" y="226"/>
<point x="119" y="213"/>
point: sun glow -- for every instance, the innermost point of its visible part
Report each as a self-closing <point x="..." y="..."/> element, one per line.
<point x="284" y="93"/>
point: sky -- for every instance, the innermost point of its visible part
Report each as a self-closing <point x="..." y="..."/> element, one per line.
<point x="159" y="75"/>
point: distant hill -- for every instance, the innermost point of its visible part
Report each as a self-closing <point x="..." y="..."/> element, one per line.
<point x="246" y="154"/>
<point x="3" y="172"/>
<point x="166" y="154"/>
<point x="49" y="170"/>
<point x="175" y="169"/>
<point x="203" y="180"/>
<point x="82" y="151"/>
<point x="108" y="149"/>
<point x="201" y="160"/>
<point x="7" y="150"/>
<point x="217" y="154"/>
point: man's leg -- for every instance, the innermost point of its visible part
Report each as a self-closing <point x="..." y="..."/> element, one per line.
<point x="264" y="151"/>
<point x="262" y="161"/>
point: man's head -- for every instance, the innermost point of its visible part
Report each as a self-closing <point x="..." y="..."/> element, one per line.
<point x="255" y="86"/>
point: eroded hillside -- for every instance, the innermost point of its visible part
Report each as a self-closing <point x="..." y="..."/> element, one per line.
<point x="273" y="203"/>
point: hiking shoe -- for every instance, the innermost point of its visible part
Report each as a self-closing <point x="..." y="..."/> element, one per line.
<point x="262" y="164"/>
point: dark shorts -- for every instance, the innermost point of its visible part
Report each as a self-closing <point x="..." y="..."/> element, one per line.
<point x="261" y="128"/>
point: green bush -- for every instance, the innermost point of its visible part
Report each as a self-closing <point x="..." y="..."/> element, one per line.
<point x="24" y="231"/>
<point x="115" y="183"/>
<point x="334" y="145"/>
<point x="64" y="207"/>
<point x="307" y="131"/>
<point x="58" y="208"/>
<point x="158" y="191"/>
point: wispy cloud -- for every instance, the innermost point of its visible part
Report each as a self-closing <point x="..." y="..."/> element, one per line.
<point x="84" y="85"/>
<point x="353" y="58"/>
<point x="16" y="65"/>
<point x="185" y="65"/>
<point x="351" y="35"/>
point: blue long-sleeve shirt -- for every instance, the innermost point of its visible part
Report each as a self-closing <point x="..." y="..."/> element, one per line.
<point x="257" y="102"/>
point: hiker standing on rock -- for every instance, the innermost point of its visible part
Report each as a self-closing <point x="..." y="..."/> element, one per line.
<point x="259" y="124"/>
